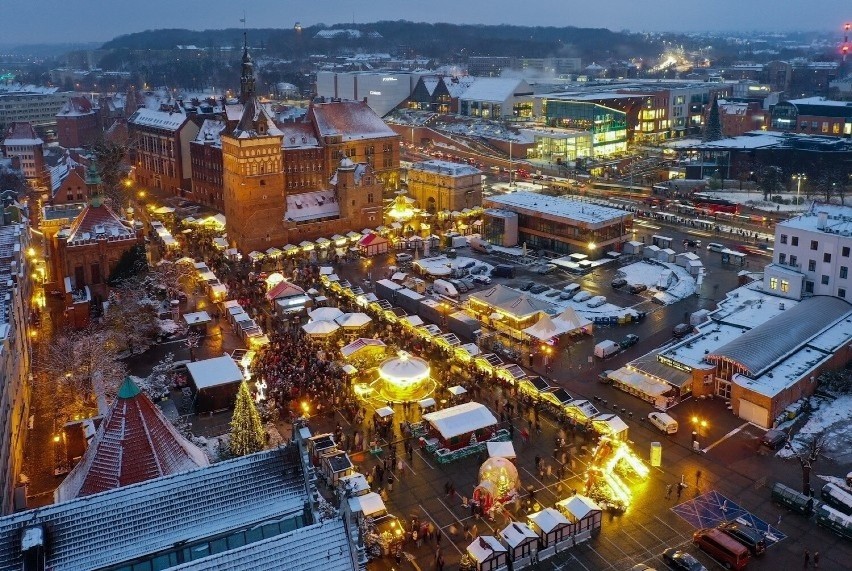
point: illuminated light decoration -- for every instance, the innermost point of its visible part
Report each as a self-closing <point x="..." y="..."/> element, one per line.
<point x="403" y="378"/>
<point x="401" y="210"/>
<point x="603" y="482"/>
<point x="274" y="279"/>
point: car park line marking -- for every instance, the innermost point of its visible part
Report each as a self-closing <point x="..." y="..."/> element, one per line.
<point x="565" y="565"/>
<point x="425" y="461"/>
<point x="624" y="553"/>
<point x="677" y="533"/>
<point x="728" y="435"/>
<point x="449" y="539"/>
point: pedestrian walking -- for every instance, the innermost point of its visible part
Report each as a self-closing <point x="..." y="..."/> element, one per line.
<point x="668" y="491"/>
<point x="778" y="523"/>
<point x="447" y="488"/>
<point x="807" y="558"/>
<point x="816" y="558"/>
<point x="680" y="488"/>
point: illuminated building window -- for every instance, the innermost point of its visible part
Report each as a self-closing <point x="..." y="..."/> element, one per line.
<point x="785" y="286"/>
<point x="773" y="283"/>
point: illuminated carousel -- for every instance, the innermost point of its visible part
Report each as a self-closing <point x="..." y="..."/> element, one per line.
<point x="402" y="378"/>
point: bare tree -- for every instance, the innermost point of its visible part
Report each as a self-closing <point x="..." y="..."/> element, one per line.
<point x="807" y="454"/>
<point x="83" y="368"/>
<point x="192" y="341"/>
<point x="131" y="319"/>
<point x="157" y="384"/>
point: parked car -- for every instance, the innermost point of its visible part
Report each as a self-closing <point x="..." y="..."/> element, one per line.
<point x="754" y="540"/>
<point x="452" y="254"/>
<point x="774" y="439"/>
<point x="479" y="270"/>
<point x="402" y="258"/>
<point x="604" y="377"/>
<point x="468" y="282"/>
<point x="618" y="282"/>
<point x="552" y="293"/>
<point x="483" y="280"/>
<point x="629" y="340"/>
<point x="546" y="269"/>
<point x="582" y="296"/>
<point x="596" y="301"/>
<point x="692" y="243"/>
<point x="637" y="288"/>
<point x="538" y="288"/>
<point x="682" y="330"/>
<point x="682" y="561"/>
<point x="527" y="286"/>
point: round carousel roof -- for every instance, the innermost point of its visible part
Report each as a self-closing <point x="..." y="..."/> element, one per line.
<point x="405" y="367"/>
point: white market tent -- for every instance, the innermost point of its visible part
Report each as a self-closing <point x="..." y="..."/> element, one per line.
<point x="320" y="327"/>
<point x="461" y="419"/>
<point x="470" y="348"/>
<point x="578" y="507"/>
<point x="213" y="372"/>
<point x="548" y="519"/>
<point x="426" y="403"/>
<point x="501" y="450"/>
<point x="572" y="319"/>
<point x="384" y="412"/>
<point x="370" y="505"/>
<point x="457" y="390"/>
<point x="196" y="318"/>
<point x="413" y="320"/>
<point x="349" y="369"/>
<point x="353" y="320"/>
<point x="325" y="314"/>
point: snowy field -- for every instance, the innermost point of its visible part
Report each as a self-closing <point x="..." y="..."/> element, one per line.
<point x="834" y="417"/>
<point x="681" y="286"/>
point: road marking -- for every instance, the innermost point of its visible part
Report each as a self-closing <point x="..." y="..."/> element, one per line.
<point x="425" y="461"/>
<point x="440" y="529"/>
<point x="728" y="435"/>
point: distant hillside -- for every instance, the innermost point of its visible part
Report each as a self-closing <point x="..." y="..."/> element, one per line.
<point x="428" y="40"/>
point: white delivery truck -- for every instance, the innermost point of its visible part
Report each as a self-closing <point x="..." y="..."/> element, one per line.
<point x="477" y="244"/>
<point x="606" y="349"/>
<point x="444" y="287"/>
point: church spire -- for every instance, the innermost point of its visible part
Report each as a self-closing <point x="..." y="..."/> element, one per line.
<point x="247" y="82"/>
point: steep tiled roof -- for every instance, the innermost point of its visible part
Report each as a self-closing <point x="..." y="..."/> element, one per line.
<point x="98" y="220"/>
<point x="22" y="133"/>
<point x="254" y="113"/>
<point x="298" y="134"/>
<point x="319" y="547"/>
<point x="134" y="443"/>
<point x="352" y="119"/>
<point x="76" y="106"/>
<point x="125" y="523"/>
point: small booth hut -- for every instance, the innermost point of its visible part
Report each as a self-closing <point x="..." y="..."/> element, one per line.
<point x="460" y="428"/>
<point x="373" y="245"/>
<point x="584" y="514"/>
<point x="335" y="466"/>
<point x="319" y="446"/>
<point x="553" y="529"/>
<point x="610" y="425"/>
<point x="522" y="543"/>
<point x="216" y="382"/>
<point x="486" y="553"/>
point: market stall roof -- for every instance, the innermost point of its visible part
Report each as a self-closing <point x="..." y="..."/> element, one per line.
<point x="359" y="344"/>
<point x="485" y="546"/>
<point x="320" y="327"/>
<point x="326" y="270"/>
<point x="578" y="507"/>
<point x="430" y="329"/>
<point x="290" y="247"/>
<point x="639" y="381"/>
<point x="546" y="328"/>
<point x="325" y="314"/>
<point x="413" y="320"/>
<point x="538" y="383"/>
<point x="614" y="424"/>
<point x="164" y="210"/>
<point x="384" y="304"/>
<point x="352" y="235"/>
<point x="355" y="483"/>
<point x="349" y="369"/>
<point x="196" y="318"/>
<point x="273" y="252"/>
<point x="500" y="449"/>
<point x="384" y="412"/>
<point x="584" y="406"/>
<point x="491" y="358"/>
<point x="231" y="303"/>
<point x="207" y="276"/>
<point x="517" y="533"/>
<point x="548" y="519"/>
<point x="461" y="419"/>
<point x="457" y="390"/>
<point x="426" y="403"/>
<point x="470" y="348"/>
<point x="323" y="241"/>
<point x="572" y="320"/>
<point x="560" y="395"/>
<point x="450" y="339"/>
<point x="369" y="504"/>
<point x="214" y="372"/>
<point x="218" y="242"/>
<point x="219" y="289"/>
<point x="514" y="370"/>
<point x="284" y="289"/>
<point x="353" y="320"/>
<point x="372" y="240"/>
<point x="255" y="255"/>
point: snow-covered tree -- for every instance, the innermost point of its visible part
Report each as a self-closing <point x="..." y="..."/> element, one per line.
<point x="713" y="129"/>
<point x="131" y="318"/>
<point x="247" y="434"/>
<point x="171" y="277"/>
<point x="157" y="384"/>
<point x="82" y="367"/>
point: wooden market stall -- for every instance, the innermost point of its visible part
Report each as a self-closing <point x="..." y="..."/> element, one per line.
<point x="584" y="514"/>
<point x="488" y="554"/>
<point x="553" y="529"/>
<point x="522" y="542"/>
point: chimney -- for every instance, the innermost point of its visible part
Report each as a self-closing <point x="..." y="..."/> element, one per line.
<point x="823" y="218"/>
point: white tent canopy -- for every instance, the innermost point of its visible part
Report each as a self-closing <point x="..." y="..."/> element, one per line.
<point x="320" y="327"/>
<point x="384" y="412"/>
<point x="426" y="403"/>
<point x="325" y="314"/>
<point x="572" y="319"/>
<point x="501" y="450"/>
<point x="461" y="419"/>
<point x="352" y="320"/>
<point x="369" y="504"/>
<point x="457" y="390"/>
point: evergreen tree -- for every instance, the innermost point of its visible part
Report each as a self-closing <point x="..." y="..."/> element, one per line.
<point x="246" y="430"/>
<point x="713" y="128"/>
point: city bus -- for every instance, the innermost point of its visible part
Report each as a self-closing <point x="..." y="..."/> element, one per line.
<point x="713" y="205"/>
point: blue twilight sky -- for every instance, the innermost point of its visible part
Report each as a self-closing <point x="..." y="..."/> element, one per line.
<point x="49" y="21"/>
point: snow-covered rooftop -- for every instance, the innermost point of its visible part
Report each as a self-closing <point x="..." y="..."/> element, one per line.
<point x="210" y="132"/>
<point x="495" y="89"/>
<point x="213" y="372"/>
<point x="575" y="210"/>
<point x="461" y="419"/>
<point x="312" y="206"/>
<point x="353" y="120"/>
<point x="159" y="119"/>
<point x="820" y="101"/>
<point x="445" y="167"/>
<point x="711" y="336"/>
<point x="838" y="219"/>
<point x="123" y="524"/>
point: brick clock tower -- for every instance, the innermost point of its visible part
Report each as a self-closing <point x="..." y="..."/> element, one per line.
<point x="254" y="197"/>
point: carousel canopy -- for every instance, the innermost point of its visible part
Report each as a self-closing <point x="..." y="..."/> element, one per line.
<point x="320" y="327"/>
<point x="325" y="314"/>
<point x="405" y="368"/>
<point x="353" y="320"/>
<point x="461" y="419"/>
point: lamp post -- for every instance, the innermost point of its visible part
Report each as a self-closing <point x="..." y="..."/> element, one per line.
<point x="799" y="177"/>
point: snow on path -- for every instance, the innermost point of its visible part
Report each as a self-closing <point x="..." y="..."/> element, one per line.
<point x="834" y="418"/>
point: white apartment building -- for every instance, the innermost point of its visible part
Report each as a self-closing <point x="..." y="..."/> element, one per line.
<point x="813" y="254"/>
<point x="35" y="105"/>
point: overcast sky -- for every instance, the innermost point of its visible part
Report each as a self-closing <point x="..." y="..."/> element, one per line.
<point x="49" y="21"/>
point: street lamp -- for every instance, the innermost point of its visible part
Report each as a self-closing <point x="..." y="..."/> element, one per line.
<point x="799" y="177"/>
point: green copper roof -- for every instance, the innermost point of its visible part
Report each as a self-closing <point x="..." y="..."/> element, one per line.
<point x="128" y="389"/>
<point x="92" y="176"/>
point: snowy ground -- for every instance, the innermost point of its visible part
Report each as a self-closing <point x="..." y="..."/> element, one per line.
<point x="834" y="418"/>
<point x="682" y="285"/>
<point x="755" y="200"/>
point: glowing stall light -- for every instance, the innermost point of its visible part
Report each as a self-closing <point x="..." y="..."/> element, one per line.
<point x="401" y="210"/>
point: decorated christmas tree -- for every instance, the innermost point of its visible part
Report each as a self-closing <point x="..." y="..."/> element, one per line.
<point x="246" y="429"/>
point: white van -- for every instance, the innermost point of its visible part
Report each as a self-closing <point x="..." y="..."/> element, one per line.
<point x="715" y="247"/>
<point x="663" y="421"/>
<point x="606" y="348"/>
<point x="444" y="287"/>
<point x="569" y="291"/>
